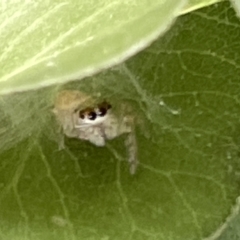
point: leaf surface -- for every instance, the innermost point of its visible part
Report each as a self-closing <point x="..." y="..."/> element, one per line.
<point x="185" y="93"/>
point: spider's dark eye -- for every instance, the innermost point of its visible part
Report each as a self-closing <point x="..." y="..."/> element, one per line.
<point x="102" y="111"/>
<point x="103" y="108"/>
<point x="92" y="115"/>
<point x="81" y="115"/>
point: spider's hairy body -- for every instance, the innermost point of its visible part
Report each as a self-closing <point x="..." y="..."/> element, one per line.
<point x="84" y="118"/>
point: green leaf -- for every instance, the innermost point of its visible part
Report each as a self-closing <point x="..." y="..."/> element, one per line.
<point x="185" y="92"/>
<point x="46" y="42"/>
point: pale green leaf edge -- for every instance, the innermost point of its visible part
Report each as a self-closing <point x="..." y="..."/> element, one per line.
<point x="236" y="6"/>
<point x="200" y="4"/>
<point x="92" y="70"/>
<point x="234" y="213"/>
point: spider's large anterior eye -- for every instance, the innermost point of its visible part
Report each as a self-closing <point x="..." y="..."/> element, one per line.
<point x="92" y="115"/>
<point x="102" y="111"/>
<point x="81" y="115"/>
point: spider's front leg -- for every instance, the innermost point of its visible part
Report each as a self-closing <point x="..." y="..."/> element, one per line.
<point x="93" y="134"/>
<point x="114" y="127"/>
<point x="131" y="146"/>
<point x="130" y="143"/>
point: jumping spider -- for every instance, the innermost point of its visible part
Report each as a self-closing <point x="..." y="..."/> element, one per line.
<point x="80" y="116"/>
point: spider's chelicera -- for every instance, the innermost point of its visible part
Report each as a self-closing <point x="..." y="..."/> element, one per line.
<point x="80" y="117"/>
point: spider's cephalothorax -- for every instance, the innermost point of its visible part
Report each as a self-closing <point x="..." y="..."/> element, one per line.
<point x="81" y="117"/>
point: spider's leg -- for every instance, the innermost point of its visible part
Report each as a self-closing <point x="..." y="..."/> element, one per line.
<point x="93" y="134"/>
<point x="61" y="141"/>
<point x="97" y="140"/>
<point x="131" y="146"/>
